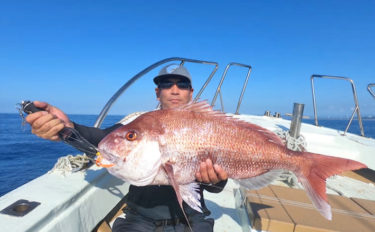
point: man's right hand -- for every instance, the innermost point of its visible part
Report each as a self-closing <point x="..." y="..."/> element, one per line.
<point x="46" y="124"/>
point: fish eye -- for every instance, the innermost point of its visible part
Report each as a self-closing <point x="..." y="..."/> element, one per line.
<point x="131" y="136"/>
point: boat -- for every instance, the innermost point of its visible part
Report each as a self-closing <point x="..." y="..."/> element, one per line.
<point x="90" y="199"/>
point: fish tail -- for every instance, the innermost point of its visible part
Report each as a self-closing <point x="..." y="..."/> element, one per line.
<point x="313" y="177"/>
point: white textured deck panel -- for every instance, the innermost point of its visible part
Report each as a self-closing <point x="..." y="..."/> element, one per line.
<point x="222" y="207"/>
<point x="75" y="202"/>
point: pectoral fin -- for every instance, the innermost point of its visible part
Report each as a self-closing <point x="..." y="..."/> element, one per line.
<point x="169" y="170"/>
<point x="190" y="194"/>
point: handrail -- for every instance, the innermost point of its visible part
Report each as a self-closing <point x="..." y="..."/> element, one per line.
<point x="356" y="110"/>
<point x="369" y="89"/>
<point x="119" y="92"/>
<point x="218" y="90"/>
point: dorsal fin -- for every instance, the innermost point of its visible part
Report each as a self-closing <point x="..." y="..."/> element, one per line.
<point x="199" y="107"/>
<point x="205" y="108"/>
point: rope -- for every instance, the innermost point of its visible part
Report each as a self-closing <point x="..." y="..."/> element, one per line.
<point x="290" y="179"/>
<point x="294" y="144"/>
<point x="71" y="163"/>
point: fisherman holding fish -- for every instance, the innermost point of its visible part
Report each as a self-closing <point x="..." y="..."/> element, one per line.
<point x="151" y="207"/>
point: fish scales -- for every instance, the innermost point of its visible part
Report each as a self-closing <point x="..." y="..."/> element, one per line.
<point x="239" y="149"/>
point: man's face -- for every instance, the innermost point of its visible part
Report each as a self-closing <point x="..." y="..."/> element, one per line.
<point x="174" y="96"/>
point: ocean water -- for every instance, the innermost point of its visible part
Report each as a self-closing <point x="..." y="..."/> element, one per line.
<point x="24" y="156"/>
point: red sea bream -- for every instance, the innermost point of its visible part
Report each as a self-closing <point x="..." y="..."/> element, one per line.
<point x="166" y="147"/>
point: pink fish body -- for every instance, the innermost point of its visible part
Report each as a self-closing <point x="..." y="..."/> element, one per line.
<point x="166" y="147"/>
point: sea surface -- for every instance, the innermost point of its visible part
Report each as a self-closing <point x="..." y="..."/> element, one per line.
<point x="24" y="156"/>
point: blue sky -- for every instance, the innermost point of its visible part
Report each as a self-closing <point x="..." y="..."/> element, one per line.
<point x="76" y="54"/>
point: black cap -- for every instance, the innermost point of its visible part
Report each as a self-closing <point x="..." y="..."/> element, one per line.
<point x="173" y="70"/>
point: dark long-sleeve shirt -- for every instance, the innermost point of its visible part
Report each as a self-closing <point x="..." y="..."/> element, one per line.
<point x="156" y="202"/>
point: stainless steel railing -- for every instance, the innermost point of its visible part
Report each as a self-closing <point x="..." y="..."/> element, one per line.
<point x="356" y="109"/>
<point x="370" y="90"/>
<point x="119" y="92"/>
<point x="218" y="90"/>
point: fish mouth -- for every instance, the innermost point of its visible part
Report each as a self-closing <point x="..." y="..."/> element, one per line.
<point x="106" y="159"/>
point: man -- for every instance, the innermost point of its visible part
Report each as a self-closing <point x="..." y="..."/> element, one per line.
<point x="149" y="208"/>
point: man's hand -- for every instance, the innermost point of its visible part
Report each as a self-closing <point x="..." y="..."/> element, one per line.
<point x="46" y="124"/>
<point x="209" y="173"/>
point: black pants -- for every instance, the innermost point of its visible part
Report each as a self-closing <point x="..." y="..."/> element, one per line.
<point x="134" y="222"/>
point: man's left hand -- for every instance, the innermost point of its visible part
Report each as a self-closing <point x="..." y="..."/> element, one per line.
<point x="209" y="173"/>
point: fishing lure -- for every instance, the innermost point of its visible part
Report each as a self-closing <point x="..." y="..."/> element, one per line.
<point x="99" y="161"/>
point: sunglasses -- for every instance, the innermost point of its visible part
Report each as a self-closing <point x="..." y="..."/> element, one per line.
<point x="168" y="84"/>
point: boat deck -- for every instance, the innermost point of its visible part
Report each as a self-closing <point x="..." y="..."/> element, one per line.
<point x="279" y="207"/>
